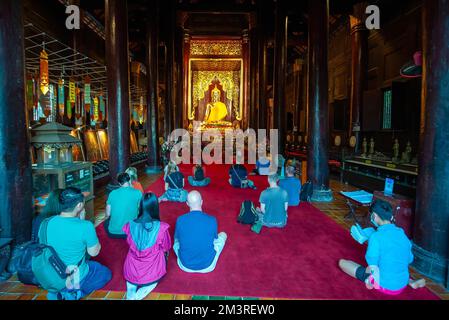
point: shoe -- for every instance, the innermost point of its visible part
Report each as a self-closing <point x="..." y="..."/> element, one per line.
<point x="54" y="296"/>
<point x="71" y="295"/>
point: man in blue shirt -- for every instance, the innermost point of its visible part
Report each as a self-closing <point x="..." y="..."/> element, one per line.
<point x="292" y="185"/>
<point x="388" y="256"/>
<point x="197" y="244"/>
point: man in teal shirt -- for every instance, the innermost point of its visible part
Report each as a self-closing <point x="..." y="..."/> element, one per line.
<point x="72" y="237"/>
<point x="273" y="204"/>
<point x="122" y="207"/>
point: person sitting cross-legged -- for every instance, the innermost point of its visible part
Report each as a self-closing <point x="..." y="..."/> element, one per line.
<point x="273" y="204"/>
<point x="149" y="243"/>
<point x="122" y="207"/>
<point x="238" y="177"/>
<point x="132" y="172"/>
<point x="199" y="178"/>
<point x="388" y="255"/>
<point x="72" y="238"/>
<point x="197" y="244"/>
<point x="174" y="185"/>
<point x="292" y="185"/>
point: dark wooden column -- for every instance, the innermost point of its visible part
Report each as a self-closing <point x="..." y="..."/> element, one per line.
<point x="152" y="42"/>
<point x="186" y="54"/>
<point x="254" y="55"/>
<point x="169" y="68"/>
<point x="262" y="111"/>
<point x="280" y="64"/>
<point x="179" y="44"/>
<point x="318" y="128"/>
<point x="431" y="236"/>
<point x="359" y="47"/>
<point x="16" y="211"/>
<point x="117" y="61"/>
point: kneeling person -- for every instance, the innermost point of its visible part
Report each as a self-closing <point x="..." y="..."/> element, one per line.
<point x="197" y="244"/>
<point x="122" y="207"/>
<point x="72" y="237"/>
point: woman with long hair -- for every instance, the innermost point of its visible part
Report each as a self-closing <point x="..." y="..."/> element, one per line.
<point x="52" y="208"/>
<point x="149" y="243"/>
<point x="174" y="184"/>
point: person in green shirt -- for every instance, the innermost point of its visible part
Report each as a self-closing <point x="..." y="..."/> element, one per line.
<point x="273" y="205"/>
<point x="73" y="238"/>
<point x="122" y="207"/>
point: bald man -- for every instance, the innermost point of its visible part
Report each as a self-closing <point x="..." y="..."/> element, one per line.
<point x="197" y="244"/>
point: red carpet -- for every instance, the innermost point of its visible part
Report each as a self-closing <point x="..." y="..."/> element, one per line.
<point x="299" y="261"/>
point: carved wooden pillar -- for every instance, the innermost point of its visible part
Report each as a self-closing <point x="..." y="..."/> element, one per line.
<point x="16" y="211"/>
<point x="280" y="64"/>
<point x="318" y="127"/>
<point x="117" y="61"/>
<point x="431" y="234"/>
<point x="152" y="46"/>
<point x="359" y="46"/>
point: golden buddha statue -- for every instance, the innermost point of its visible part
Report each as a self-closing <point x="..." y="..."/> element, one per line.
<point x="217" y="111"/>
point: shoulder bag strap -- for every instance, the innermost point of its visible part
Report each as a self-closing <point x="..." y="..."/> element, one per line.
<point x="176" y="186"/>
<point x="233" y="169"/>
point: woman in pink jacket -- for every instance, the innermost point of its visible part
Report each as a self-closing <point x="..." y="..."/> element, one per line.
<point x="149" y="243"/>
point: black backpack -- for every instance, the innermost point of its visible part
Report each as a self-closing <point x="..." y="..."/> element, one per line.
<point x="21" y="262"/>
<point x="248" y="214"/>
<point x="306" y="191"/>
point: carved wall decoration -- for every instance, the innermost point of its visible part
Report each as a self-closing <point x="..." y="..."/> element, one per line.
<point x="216" y="47"/>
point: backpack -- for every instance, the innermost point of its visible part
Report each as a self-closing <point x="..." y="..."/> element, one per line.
<point x="21" y="262"/>
<point x="49" y="270"/>
<point x="248" y="214"/>
<point x="306" y="192"/>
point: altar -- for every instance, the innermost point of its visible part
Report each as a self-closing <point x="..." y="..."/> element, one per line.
<point x="215" y="84"/>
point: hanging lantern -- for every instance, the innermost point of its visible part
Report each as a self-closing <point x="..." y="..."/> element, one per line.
<point x="29" y="92"/>
<point x="140" y="111"/>
<point x="44" y="78"/>
<point x="102" y="109"/>
<point x="72" y="93"/>
<point x="78" y="104"/>
<point x="69" y="109"/>
<point x="52" y="103"/>
<point x="87" y="99"/>
<point x="95" y="115"/>
<point x="61" y="97"/>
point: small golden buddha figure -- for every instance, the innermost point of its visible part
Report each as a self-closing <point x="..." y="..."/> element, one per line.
<point x="217" y="111"/>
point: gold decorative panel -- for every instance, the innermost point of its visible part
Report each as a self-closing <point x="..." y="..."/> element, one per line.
<point x="229" y="73"/>
<point x="216" y="48"/>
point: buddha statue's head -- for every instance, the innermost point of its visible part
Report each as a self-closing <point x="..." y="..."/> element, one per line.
<point x="216" y="95"/>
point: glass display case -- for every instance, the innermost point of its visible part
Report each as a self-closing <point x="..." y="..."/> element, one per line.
<point x="55" y="168"/>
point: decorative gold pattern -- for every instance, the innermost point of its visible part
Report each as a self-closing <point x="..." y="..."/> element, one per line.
<point x="216" y="48"/>
<point x="231" y="81"/>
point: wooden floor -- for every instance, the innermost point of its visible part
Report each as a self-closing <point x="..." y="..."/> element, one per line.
<point x="337" y="210"/>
